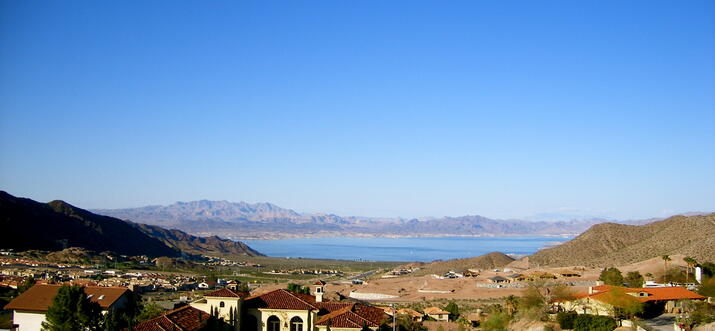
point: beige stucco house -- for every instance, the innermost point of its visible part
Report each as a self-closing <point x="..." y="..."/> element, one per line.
<point x="281" y="310"/>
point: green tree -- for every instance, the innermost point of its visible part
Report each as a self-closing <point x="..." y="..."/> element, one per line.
<point x="406" y="323"/>
<point x="691" y="262"/>
<point x="707" y="287"/>
<point x="497" y="321"/>
<point x="585" y="322"/>
<point x="533" y="305"/>
<point x="453" y="310"/>
<point x="634" y="279"/>
<point x="26" y="284"/>
<point x="665" y="258"/>
<point x="566" y="319"/>
<point x="297" y="288"/>
<point x="611" y="276"/>
<point x="708" y="269"/>
<point x="149" y="311"/>
<point x="625" y="306"/>
<point x="72" y="310"/>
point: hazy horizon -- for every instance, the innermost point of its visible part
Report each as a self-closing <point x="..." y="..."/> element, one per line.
<point x="378" y="109"/>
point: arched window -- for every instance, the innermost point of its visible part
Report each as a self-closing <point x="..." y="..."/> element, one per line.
<point x="274" y="323"/>
<point x="296" y="324"/>
<point x="221" y="304"/>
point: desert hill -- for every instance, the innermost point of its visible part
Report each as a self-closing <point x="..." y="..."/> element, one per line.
<point x="196" y="245"/>
<point x="54" y="226"/>
<point x="612" y="244"/>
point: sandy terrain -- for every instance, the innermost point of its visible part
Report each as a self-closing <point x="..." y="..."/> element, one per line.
<point x="408" y="288"/>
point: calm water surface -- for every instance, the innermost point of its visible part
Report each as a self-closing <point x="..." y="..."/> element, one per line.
<point x="400" y="249"/>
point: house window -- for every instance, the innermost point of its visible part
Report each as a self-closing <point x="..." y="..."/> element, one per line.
<point x="221" y="304"/>
<point x="296" y="324"/>
<point x="274" y="323"/>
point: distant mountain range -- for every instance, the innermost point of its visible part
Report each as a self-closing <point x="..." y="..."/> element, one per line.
<point x="28" y="224"/>
<point x="613" y="244"/>
<point x="241" y="220"/>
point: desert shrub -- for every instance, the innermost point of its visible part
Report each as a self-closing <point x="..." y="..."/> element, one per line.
<point x="566" y="319"/>
<point x="497" y="321"/>
<point x="532" y="305"/>
<point x="585" y="322"/>
<point x="707" y="288"/>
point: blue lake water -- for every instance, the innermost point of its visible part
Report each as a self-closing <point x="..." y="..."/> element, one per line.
<point x="400" y="249"/>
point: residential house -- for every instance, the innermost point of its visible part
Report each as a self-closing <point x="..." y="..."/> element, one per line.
<point x="281" y="310"/>
<point x="515" y="277"/>
<point x="601" y="300"/>
<point x="437" y="313"/>
<point x="471" y="273"/>
<point x="498" y="279"/>
<point x="224" y="301"/>
<point x="29" y="308"/>
<point x="413" y="314"/>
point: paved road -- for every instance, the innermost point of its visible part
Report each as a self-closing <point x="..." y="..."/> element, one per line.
<point x="661" y="323"/>
<point x="363" y="275"/>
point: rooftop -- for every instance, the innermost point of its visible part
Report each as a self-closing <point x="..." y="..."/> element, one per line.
<point x="39" y="297"/>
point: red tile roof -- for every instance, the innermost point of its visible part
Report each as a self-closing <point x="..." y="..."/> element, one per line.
<point x="320" y="282"/>
<point x="341" y="315"/>
<point x="282" y="299"/>
<point x="186" y="318"/>
<point x="39" y="297"/>
<point x="227" y="293"/>
<point x="353" y="316"/>
<point x="604" y="293"/>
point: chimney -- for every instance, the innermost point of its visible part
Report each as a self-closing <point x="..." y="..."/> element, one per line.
<point x="699" y="275"/>
<point x="319" y="291"/>
<point x="590" y="290"/>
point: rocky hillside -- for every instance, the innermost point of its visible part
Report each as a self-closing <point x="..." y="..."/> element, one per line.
<point x="197" y="245"/>
<point x="486" y="261"/>
<point x="54" y="226"/>
<point x="612" y="244"/>
<point x="242" y="220"/>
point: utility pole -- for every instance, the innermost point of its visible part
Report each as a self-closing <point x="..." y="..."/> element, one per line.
<point x="394" y="317"/>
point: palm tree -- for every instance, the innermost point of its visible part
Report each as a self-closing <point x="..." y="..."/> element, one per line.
<point x="691" y="263"/>
<point x="665" y="258"/>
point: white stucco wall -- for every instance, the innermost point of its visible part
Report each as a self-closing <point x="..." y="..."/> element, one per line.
<point x="284" y="315"/>
<point x="28" y="321"/>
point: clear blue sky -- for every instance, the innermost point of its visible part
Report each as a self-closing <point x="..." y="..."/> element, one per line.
<point x="377" y="108"/>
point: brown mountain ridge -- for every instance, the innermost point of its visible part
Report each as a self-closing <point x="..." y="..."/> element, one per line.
<point x="609" y="244"/>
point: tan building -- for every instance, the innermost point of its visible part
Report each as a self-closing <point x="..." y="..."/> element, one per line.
<point x="437" y="313"/>
<point x="223" y="300"/>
